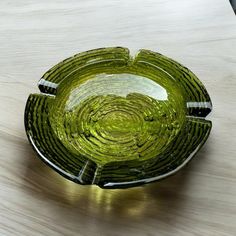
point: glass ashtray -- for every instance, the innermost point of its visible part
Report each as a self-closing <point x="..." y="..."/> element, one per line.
<point x="104" y="117"/>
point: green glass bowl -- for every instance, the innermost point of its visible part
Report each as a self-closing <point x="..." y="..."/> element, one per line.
<point x="104" y="117"/>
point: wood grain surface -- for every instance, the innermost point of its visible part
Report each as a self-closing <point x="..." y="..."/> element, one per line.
<point x="199" y="200"/>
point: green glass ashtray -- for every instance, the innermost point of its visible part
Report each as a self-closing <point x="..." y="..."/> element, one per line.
<point x="104" y="117"/>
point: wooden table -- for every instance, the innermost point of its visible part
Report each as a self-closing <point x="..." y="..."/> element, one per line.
<point x="199" y="200"/>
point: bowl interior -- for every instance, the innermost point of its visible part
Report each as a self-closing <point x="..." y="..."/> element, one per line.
<point x="110" y="113"/>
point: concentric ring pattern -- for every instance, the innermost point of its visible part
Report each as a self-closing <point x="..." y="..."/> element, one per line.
<point x="105" y="118"/>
